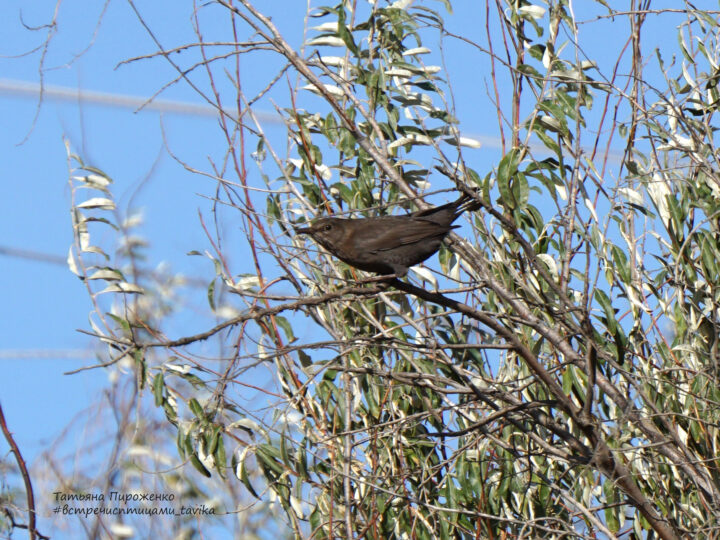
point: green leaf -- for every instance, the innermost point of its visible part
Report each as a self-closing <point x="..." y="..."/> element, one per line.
<point x="211" y="294"/>
<point x="284" y="451"/>
<point x="158" y="385"/>
<point x="305" y="359"/>
<point x="621" y="344"/>
<point x="220" y="457"/>
<point x="344" y="33"/>
<point x="188" y="442"/>
<point x="521" y="190"/>
<point x="211" y="440"/>
<point x="606" y="304"/>
<point x="170" y="412"/>
<point x="549" y="143"/>
<point x="123" y="323"/>
<point x="180" y="442"/>
<point x="268" y="456"/>
<point x="567" y="381"/>
<point x="246" y="480"/>
<point x="301" y="461"/>
<point x="506" y="171"/>
<point x="283" y="323"/>
<point x="139" y="356"/>
<point x="196" y="409"/>
<point x="195" y="460"/>
<point x="621" y="264"/>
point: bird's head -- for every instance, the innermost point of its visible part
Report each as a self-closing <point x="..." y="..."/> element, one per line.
<point x="328" y="232"/>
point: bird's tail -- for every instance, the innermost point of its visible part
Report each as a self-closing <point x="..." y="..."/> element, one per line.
<point x="466" y="203"/>
<point x="463" y="204"/>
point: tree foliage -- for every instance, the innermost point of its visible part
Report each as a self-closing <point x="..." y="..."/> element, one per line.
<point x="556" y="374"/>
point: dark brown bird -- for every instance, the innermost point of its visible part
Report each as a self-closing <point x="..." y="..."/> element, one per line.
<point x="388" y="244"/>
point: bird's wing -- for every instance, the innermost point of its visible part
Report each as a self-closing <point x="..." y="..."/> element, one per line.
<point x="403" y="232"/>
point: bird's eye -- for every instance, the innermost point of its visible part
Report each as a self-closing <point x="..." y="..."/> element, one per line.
<point x="327" y="227"/>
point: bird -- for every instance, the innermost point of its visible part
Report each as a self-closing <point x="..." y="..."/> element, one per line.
<point x="388" y="245"/>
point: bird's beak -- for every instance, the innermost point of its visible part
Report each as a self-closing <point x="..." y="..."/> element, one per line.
<point x="303" y="230"/>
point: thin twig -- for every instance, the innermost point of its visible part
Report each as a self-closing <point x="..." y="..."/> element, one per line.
<point x="32" y="531"/>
